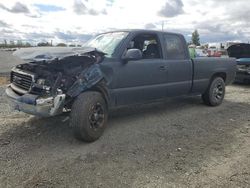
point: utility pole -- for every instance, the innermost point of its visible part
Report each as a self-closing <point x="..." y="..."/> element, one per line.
<point x="5" y="43"/>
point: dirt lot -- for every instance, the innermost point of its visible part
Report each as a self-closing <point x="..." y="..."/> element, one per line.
<point x="179" y="143"/>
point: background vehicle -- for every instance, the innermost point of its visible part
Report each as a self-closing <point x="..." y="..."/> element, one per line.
<point x="242" y="53"/>
<point x="114" y="69"/>
<point x="214" y="53"/>
<point x="201" y="53"/>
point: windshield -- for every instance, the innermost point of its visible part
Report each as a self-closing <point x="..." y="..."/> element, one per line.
<point x="107" y="42"/>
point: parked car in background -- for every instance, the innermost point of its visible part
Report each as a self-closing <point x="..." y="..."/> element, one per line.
<point x="196" y="51"/>
<point x="242" y="53"/>
<point x="201" y="53"/>
<point x="223" y="53"/>
<point x="214" y="53"/>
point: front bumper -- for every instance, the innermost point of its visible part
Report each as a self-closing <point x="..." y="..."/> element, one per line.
<point x="35" y="105"/>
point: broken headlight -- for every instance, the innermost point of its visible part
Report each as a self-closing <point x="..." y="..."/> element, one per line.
<point x="40" y="86"/>
<point x="41" y="81"/>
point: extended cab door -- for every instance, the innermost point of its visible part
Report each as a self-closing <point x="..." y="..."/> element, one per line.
<point x="141" y="80"/>
<point x="179" y="65"/>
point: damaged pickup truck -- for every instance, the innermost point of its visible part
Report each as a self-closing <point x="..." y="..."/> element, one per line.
<point x="113" y="69"/>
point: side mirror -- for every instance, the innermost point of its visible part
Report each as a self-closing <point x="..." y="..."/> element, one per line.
<point x="132" y="54"/>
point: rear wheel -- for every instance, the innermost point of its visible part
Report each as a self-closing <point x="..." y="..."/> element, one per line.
<point x="89" y="116"/>
<point x="215" y="93"/>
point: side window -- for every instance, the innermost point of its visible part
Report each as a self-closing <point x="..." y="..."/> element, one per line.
<point x="174" y="47"/>
<point x="148" y="44"/>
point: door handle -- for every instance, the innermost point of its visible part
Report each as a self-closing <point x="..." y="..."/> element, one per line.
<point x="163" y="68"/>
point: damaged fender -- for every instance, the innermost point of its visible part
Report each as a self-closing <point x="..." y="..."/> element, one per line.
<point x="87" y="79"/>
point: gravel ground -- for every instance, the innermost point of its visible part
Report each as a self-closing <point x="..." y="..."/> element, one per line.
<point x="178" y="143"/>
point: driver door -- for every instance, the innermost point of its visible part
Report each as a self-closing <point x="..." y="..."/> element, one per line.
<point x="139" y="81"/>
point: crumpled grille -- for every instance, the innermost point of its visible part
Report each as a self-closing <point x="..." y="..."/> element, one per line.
<point x="21" y="80"/>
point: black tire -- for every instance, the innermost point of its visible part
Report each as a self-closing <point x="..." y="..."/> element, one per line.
<point x="88" y="116"/>
<point x="215" y="93"/>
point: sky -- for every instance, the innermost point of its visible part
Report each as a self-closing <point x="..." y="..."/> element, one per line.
<point x="75" y="21"/>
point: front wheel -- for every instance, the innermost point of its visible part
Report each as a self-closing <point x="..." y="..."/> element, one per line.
<point x="89" y="116"/>
<point x="215" y="93"/>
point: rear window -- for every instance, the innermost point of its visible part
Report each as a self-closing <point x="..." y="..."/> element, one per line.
<point x="174" y="47"/>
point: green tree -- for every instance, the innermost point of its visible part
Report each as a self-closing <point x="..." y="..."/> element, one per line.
<point x="61" y="45"/>
<point x="19" y="43"/>
<point x="27" y="44"/>
<point x="12" y="44"/>
<point x="43" y="44"/>
<point x="196" y="38"/>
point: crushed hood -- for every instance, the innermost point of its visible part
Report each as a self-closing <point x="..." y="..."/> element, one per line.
<point x="239" y="51"/>
<point x="38" y="54"/>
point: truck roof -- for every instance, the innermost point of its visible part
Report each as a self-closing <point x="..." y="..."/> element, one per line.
<point x="141" y="31"/>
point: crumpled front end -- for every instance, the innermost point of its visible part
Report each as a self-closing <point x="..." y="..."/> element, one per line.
<point x="47" y="88"/>
<point x="35" y="105"/>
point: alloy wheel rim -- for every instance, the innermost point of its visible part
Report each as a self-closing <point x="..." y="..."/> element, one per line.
<point x="96" y="116"/>
<point x="218" y="91"/>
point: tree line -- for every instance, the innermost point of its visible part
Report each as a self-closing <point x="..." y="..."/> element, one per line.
<point x="21" y="44"/>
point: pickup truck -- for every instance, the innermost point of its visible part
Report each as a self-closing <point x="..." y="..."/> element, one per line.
<point x="113" y="69"/>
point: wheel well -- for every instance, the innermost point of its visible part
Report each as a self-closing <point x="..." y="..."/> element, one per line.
<point x="223" y="75"/>
<point x="103" y="93"/>
<point x="101" y="88"/>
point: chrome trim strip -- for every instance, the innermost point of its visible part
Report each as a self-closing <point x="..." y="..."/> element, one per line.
<point x="17" y="89"/>
<point x="25" y="73"/>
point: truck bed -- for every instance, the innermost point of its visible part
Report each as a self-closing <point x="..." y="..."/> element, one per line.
<point x="205" y="68"/>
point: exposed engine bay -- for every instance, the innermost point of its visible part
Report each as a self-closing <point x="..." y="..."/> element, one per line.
<point x="58" y="74"/>
<point x="49" y="79"/>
